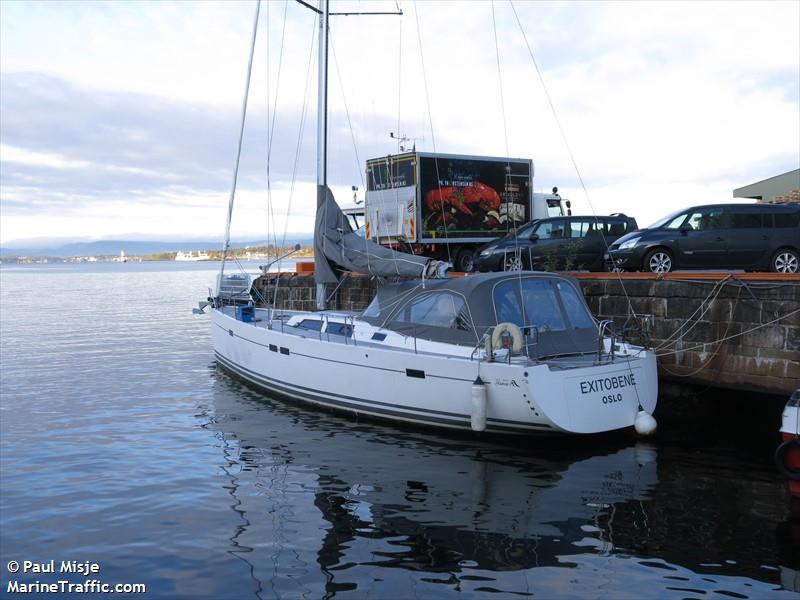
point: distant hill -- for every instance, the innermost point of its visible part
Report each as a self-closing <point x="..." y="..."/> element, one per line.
<point x="131" y="247"/>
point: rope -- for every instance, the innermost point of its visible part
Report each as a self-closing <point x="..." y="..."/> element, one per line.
<point x="716" y="350"/>
<point x="725" y="339"/>
<point x="706" y="304"/>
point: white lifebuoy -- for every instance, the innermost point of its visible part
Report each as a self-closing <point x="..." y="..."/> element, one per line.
<point x="514" y="332"/>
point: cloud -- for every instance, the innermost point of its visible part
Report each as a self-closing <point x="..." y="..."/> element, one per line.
<point x="123" y="117"/>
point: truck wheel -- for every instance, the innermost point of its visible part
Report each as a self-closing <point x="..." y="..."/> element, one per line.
<point x="465" y="260"/>
<point x="785" y="260"/>
<point x="658" y="260"/>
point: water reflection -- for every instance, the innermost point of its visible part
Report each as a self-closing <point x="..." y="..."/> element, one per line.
<point x="373" y="498"/>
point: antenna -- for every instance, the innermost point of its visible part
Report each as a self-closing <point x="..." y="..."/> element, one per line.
<point x="403" y="140"/>
<point x="354" y="189"/>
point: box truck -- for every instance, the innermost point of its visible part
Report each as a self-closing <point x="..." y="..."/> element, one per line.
<point x="447" y="205"/>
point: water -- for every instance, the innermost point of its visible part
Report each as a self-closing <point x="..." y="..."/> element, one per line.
<point x="123" y="445"/>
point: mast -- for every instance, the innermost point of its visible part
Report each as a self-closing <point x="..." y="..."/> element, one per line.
<point x="322" y="132"/>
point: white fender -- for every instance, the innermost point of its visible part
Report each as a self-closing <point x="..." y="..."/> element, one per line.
<point x="644" y="423"/>
<point x="480" y="403"/>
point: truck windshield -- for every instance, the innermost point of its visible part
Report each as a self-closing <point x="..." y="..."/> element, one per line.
<point x="554" y="207"/>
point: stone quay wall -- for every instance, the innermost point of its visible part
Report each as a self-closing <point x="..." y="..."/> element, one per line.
<point x="715" y="329"/>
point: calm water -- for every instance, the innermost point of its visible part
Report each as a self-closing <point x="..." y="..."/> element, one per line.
<point x="123" y="445"/>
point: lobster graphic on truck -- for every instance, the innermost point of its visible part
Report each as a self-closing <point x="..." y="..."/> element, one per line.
<point x="447" y="205"/>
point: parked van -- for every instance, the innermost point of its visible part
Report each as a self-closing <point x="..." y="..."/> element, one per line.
<point x="717" y="236"/>
<point x="556" y="244"/>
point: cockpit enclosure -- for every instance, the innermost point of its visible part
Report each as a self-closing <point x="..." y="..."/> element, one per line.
<point x="549" y="308"/>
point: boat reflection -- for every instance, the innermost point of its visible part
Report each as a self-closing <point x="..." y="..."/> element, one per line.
<point x="318" y="493"/>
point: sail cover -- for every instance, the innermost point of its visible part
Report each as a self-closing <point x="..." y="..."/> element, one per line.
<point x="336" y="245"/>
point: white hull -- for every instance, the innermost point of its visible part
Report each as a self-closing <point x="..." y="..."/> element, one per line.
<point x="430" y="387"/>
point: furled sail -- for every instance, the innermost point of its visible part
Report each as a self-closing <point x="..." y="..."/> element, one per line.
<point x="335" y="244"/>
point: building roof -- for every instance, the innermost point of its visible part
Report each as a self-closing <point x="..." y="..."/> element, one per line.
<point x="772" y="186"/>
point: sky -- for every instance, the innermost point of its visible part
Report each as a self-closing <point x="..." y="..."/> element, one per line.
<point x="121" y="119"/>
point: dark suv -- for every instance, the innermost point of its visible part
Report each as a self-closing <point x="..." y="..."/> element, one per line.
<point x="556" y="243"/>
<point x="719" y="236"/>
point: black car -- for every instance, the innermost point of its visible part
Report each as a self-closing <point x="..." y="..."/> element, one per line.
<point x="556" y="243"/>
<point x="718" y="236"/>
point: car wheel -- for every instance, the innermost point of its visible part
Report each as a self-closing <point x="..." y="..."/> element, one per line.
<point x="785" y="260"/>
<point x="658" y="261"/>
<point x="512" y="262"/>
<point x="465" y="260"/>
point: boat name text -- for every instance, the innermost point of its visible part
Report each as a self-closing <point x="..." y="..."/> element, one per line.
<point x="607" y="383"/>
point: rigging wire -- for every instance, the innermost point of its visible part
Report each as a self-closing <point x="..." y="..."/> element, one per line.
<point x="568" y="147"/>
<point x="346" y="110"/>
<point x="399" y="76"/>
<point x="580" y="177"/>
<point x="271" y="128"/>
<point x="301" y="129"/>
<point x="433" y="137"/>
<point x="227" y="244"/>
<point x="508" y="161"/>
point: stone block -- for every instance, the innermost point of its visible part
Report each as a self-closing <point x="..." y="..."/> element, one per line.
<point x="792" y="339"/>
<point x="745" y="311"/>
<point x="769" y="336"/>
<point x="774" y="309"/>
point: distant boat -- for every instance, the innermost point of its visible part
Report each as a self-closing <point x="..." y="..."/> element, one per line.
<point x="192" y="256"/>
<point x="121" y="258"/>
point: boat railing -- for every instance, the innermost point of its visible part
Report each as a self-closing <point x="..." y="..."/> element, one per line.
<point x="605" y="326"/>
<point x="487" y="334"/>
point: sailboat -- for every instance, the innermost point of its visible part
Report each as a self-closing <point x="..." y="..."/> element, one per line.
<point x="504" y="353"/>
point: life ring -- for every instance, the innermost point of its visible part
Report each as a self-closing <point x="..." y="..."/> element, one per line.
<point x="782" y="458"/>
<point x="513" y="331"/>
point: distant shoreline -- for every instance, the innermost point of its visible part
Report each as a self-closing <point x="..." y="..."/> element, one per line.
<point x="260" y="253"/>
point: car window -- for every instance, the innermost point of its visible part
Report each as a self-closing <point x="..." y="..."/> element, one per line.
<point x="746" y="218"/>
<point x="706" y="219"/>
<point x="586" y="228"/>
<point x="524" y="231"/>
<point x="439" y="309"/>
<point x="547" y="230"/>
<point x="616" y="228"/>
<point x="673" y="223"/>
<point x="787" y="219"/>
